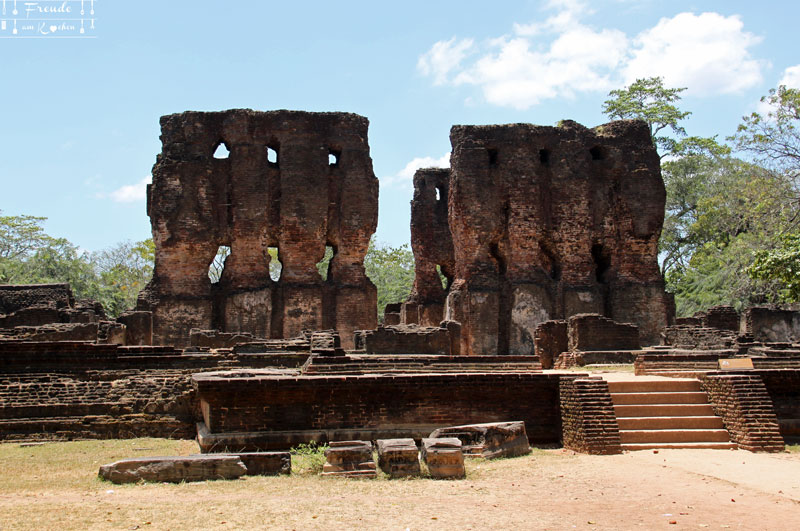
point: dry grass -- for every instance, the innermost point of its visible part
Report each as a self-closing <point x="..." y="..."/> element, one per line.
<point x="55" y="486"/>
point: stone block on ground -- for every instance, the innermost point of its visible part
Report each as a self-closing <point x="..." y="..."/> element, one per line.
<point x="174" y="469"/>
<point x="265" y="463"/>
<point x="398" y="457"/>
<point x="444" y="457"/>
<point x="352" y="459"/>
<point x="489" y="440"/>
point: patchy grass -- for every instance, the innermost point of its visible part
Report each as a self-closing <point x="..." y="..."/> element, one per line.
<point x="793" y="448"/>
<point x="55" y="486"/>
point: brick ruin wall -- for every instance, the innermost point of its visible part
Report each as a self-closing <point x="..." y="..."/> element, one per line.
<point x="49" y="312"/>
<point x="587" y="332"/>
<point x="772" y="324"/>
<point x="73" y="390"/>
<point x="280" y="411"/>
<point x="545" y="223"/>
<point x="295" y="181"/>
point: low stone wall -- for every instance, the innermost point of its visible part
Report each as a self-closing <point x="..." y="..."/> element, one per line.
<point x="404" y="339"/>
<point x="698" y="337"/>
<point x="587" y="413"/>
<point x="744" y="405"/>
<point x="722" y="317"/>
<point x="772" y="325"/>
<point x="595" y="332"/>
<point x="783" y="386"/>
<point x="249" y="409"/>
<point x="76" y="390"/>
<point x="550" y="340"/>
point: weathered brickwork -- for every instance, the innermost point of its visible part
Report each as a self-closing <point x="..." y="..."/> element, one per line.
<point x="545" y="223"/>
<point x="296" y="181"/>
<point x="772" y="324"/>
<point x="91" y="391"/>
<point x="283" y="411"/>
<point x="404" y="339"/>
<point x="746" y="409"/>
<point x="722" y="317"/>
<point x="550" y="340"/>
<point x="698" y="337"/>
<point x="589" y="423"/>
<point x="587" y="332"/>
<point x="783" y="386"/>
<point x="432" y="244"/>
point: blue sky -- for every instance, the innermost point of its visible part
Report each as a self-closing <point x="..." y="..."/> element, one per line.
<point x="79" y="126"/>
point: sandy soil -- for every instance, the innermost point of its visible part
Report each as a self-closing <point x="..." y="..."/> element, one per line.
<point x="551" y="489"/>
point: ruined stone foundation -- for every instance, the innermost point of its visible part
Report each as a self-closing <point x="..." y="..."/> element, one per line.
<point x="536" y="223"/>
<point x="294" y="181"/>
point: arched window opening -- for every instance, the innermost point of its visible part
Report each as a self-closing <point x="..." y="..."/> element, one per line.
<point x="272" y="156"/>
<point x="217" y="265"/>
<point x="323" y="266"/>
<point x="221" y="151"/>
<point x="602" y="263"/>
<point x="275" y="266"/>
<point x="333" y="157"/>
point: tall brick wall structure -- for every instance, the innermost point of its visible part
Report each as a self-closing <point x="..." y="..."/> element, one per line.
<point x="432" y="245"/>
<point x="545" y="223"/>
<point x="296" y="181"/>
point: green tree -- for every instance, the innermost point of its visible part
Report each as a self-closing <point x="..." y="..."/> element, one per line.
<point x="123" y="271"/>
<point x="391" y="269"/>
<point x="782" y="266"/>
<point x="20" y="237"/>
<point x="647" y="99"/>
<point x="774" y="138"/>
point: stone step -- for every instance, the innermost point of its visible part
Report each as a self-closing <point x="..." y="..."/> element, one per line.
<point x="669" y="446"/>
<point x="666" y="423"/>
<point x="680" y="397"/>
<point x="645" y="386"/>
<point x="663" y="410"/>
<point x="673" y="436"/>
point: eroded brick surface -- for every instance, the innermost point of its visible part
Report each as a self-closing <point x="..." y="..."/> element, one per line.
<point x="545" y="223"/>
<point x="296" y="181"/>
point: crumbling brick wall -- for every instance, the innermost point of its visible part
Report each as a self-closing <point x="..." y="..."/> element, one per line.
<point x="772" y="324"/>
<point x="548" y="222"/>
<point x="746" y="409"/>
<point x="550" y="340"/>
<point x="432" y="245"/>
<point x="588" y="332"/>
<point x="296" y="181"/>
<point x="589" y="423"/>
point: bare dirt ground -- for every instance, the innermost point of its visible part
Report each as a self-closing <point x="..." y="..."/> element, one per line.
<point x="55" y="486"/>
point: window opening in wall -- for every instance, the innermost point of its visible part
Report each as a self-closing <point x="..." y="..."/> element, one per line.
<point x="602" y="263"/>
<point x="333" y="157"/>
<point x="440" y="196"/>
<point x="217" y="265"/>
<point x="597" y="153"/>
<point x="324" y="265"/>
<point x="442" y="277"/>
<point x="492" y="157"/>
<point x="272" y="156"/>
<point x="275" y="266"/>
<point x="221" y="151"/>
<point x="544" y="157"/>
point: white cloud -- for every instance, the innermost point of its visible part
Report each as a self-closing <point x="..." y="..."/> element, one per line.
<point x="791" y="77"/>
<point x="131" y="193"/>
<point x="442" y="58"/>
<point x="708" y="53"/>
<point x="560" y="57"/>
<point x="405" y="177"/>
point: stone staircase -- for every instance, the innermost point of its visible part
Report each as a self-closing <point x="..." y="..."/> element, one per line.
<point x="669" y="413"/>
